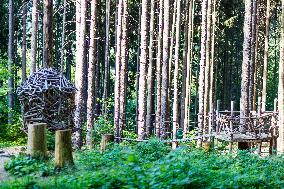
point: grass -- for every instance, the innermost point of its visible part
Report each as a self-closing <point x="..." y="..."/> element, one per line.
<point x="151" y="165"/>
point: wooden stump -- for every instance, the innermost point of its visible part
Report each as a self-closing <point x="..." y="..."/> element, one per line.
<point x="63" y="148"/>
<point x="105" y="140"/>
<point x="37" y="145"/>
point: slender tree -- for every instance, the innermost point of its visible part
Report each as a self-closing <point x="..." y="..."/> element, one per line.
<point x="142" y="97"/>
<point x="11" y="54"/>
<point x="202" y="65"/>
<point x="159" y="68"/>
<point x="124" y="66"/>
<point x="24" y="42"/>
<point x="79" y="74"/>
<point x="107" y="65"/>
<point x="34" y="40"/>
<point x="280" y="140"/>
<point x="117" y="82"/>
<point x="165" y="71"/>
<point x="62" y="53"/>
<point x="245" y="99"/>
<point x="47" y="33"/>
<point x="91" y="74"/>
<point x="265" y="57"/>
<point x="151" y="69"/>
<point x="176" y="70"/>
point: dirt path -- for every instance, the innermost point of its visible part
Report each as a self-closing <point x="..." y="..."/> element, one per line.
<point x="5" y="155"/>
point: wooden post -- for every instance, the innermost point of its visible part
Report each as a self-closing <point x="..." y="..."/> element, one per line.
<point x="63" y="148"/>
<point x="105" y="140"/>
<point x="37" y="146"/>
<point x="231" y="126"/>
<point x="217" y="115"/>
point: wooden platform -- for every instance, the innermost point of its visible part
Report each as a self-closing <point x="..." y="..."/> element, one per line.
<point x="238" y="137"/>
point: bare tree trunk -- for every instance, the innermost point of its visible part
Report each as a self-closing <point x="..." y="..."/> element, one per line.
<point x="11" y="55"/>
<point x="151" y="68"/>
<point x="207" y="67"/>
<point x="202" y="65"/>
<point x="91" y="74"/>
<point x="117" y="69"/>
<point x="124" y="64"/>
<point x="265" y="57"/>
<point x="165" y="71"/>
<point x="34" y="36"/>
<point x="176" y="71"/>
<point x="79" y="74"/>
<point x="186" y="85"/>
<point x="107" y="66"/>
<point x="47" y="33"/>
<point x="280" y="140"/>
<point x="159" y="69"/>
<point x="24" y="42"/>
<point x="143" y="72"/>
<point x="62" y="56"/>
<point x="245" y="101"/>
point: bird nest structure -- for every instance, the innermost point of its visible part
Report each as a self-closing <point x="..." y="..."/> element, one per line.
<point x="47" y="97"/>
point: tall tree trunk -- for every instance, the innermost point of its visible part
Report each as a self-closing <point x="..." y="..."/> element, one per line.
<point x="62" y="56"/>
<point x="151" y="68"/>
<point x="47" y="34"/>
<point x="91" y="75"/>
<point x="245" y="99"/>
<point x="107" y="65"/>
<point x="143" y="71"/>
<point x="34" y="36"/>
<point x="79" y="74"/>
<point x="280" y="140"/>
<point x="187" y="59"/>
<point x="24" y="42"/>
<point x="165" y="71"/>
<point x="176" y="71"/>
<point x="207" y="67"/>
<point x="117" y="82"/>
<point x="159" y="69"/>
<point x="202" y="64"/>
<point x="124" y="65"/>
<point x="11" y="55"/>
<point x="265" y="57"/>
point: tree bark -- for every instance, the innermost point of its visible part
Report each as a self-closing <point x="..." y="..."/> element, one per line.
<point x="63" y="148"/>
<point x="159" y="70"/>
<point x="265" y="57"/>
<point x="24" y="42"/>
<point x="202" y="64"/>
<point x="37" y="145"/>
<point x="176" y="71"/>
<point x="142" y="97"/>
<point x="91" y="75"/>
<point x="151" y="69"/>
<point x="11" y="55"/>
<point x="62" y="56"/>
<point x="280" y="140"/>
<point x="124" y="65"/>
<point x="117" y="69"/>
<point x="47" y="33"/>
<point x="79" y="74"/>
<point x="165" y="71"/>
<point x="107" y="65"/>
<point x="245" y="83"/>
<point x="34" y="36"/>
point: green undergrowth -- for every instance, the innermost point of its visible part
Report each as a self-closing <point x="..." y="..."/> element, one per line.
<point x="151" y="165"/>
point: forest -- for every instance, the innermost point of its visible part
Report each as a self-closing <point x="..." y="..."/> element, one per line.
<point x="141" y="94"/>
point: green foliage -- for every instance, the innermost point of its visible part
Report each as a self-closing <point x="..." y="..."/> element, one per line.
<point x="153" y="165"/>
<point x="23" y="165"/>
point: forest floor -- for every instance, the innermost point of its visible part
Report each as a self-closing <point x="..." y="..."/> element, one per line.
<point x="5" y="155"/>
